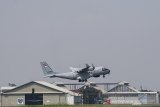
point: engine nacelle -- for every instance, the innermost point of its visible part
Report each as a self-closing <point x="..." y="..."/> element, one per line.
<point x="96" y="76"/>
<point x="81" y="80"/>
<point x="91" y="69"/>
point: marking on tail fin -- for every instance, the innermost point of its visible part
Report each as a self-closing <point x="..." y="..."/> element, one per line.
<point x="46" y="68"/>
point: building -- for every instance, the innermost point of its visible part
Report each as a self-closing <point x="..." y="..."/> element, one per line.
<point x="43" y="93"/>
<point x="38" y="93"/>
<point x="120" y="93"/>
<point x="125" y="94"/>
<point x="91" y="93"/>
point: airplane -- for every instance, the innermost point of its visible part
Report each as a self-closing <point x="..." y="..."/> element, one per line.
<point x="80" y="74"/>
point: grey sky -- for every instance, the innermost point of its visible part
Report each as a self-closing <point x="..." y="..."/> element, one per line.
<point x="122" y="35"/>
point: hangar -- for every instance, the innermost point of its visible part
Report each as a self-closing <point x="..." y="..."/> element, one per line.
<point x="38" y="93"/>
<point x="43" y="93"/>
<point x="123" y="93"/>
<point x="119" y="93"/>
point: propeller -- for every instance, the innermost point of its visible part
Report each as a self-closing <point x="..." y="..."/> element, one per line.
<point x="109" y="72"/>
<point x="87" y="66"/>
<point x="93" y="66"/>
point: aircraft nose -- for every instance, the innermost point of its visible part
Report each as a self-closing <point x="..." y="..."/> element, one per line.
<point x="108" y="71"/>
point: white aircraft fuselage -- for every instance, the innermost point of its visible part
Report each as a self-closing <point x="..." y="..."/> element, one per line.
<point x="80" y="74"/>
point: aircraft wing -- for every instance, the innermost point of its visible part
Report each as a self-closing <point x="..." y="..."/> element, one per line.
<point x="83" y="70"/>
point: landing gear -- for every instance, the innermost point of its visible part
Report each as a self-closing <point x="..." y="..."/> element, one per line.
<point x="79" y="80"/>
<point x="103" y="76"/>
<point x="82" y="80"/>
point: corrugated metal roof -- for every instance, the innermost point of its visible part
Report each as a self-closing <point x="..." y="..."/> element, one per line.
<point x="132" y="93"/>
<point x="101" y="89"/>
<point x="6" y="88"/>
<point x="57" y="87"/>
<point x="119" y="86"/>
<point x="133" y="89"/>
<point x="46" y="84"/>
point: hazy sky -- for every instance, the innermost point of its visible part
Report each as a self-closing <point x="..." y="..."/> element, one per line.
<point x="122" y="35"/>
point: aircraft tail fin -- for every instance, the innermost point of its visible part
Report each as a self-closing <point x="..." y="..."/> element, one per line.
<point x="46" y="69"/>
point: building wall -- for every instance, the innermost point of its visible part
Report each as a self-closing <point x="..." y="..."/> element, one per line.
<point x="11" y="100"/>
<point x="61" y="99"/>
<point x="124" y="100"/>
<point x="70" y="99"/>
<point x="54" y="99"/>
<point x="77" y="100"/>
<point x="139" y="98"/>
<point x="157" y="98"/>
<point x="0" y="100"/>
<point x="48" y="99"/>
<point x="148" y="98"/>
<point x="151" y="99"/>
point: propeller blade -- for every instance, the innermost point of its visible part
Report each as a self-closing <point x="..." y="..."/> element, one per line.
<point x="87" y="66"/>
<point x="109" y="73"/>
<point x="93" y="66"/>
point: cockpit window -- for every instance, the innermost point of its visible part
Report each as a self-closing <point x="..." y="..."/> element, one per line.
<point x="104" y="69"/>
